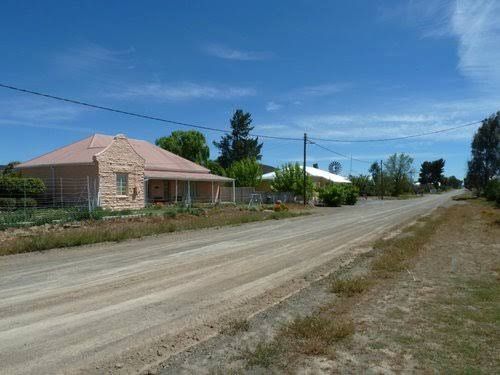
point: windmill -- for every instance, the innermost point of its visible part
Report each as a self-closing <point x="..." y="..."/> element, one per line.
<point x="335" y="167"/>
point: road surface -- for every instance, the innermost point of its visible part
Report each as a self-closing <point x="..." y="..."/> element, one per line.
<point x="124" y="307"/>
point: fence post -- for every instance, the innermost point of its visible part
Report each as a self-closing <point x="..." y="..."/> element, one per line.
<point x="88" y="193"/>
<point x="25" y="215"/>
<point x="234" y="192"/>
<point x="61" y="188"/>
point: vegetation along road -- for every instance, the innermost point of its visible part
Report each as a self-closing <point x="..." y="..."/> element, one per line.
<point x="125" y="308"/>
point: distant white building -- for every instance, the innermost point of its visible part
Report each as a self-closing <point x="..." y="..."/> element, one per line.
<point x="319" y="176"/>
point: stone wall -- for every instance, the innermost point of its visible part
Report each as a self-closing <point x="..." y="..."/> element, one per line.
<point x="120" y="157"/>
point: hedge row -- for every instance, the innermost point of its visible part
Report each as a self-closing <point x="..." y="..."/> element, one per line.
<point x="12" y="203"/>
<point x="11" y="186"/>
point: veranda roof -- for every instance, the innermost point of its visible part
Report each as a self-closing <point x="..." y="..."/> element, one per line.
<point x="185" y="176"/>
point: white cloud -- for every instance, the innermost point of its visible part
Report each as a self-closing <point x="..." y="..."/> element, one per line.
<point x="358" y="127"/>
<point x="326" y="89"/>
<point x="273" y="106"/>
<point x="473" y="23"/>
<point x="36" y="125"/>
<point x="39" y="110"/>
<point x="223" y="52"/>
<point x="477" y="27"/>
<point x="183" y="91"/>
<point x="91" y="56"/>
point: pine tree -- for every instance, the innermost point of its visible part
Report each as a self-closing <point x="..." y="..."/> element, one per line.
<point x="239" y="144"/>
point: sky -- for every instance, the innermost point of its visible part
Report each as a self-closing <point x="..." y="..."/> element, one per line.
<point x="352" y="70"/>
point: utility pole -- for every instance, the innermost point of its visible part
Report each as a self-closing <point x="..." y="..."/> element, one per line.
<point x="304" y="169"/>
<point x="381" y="180"/>
<point x="350" y="167"/>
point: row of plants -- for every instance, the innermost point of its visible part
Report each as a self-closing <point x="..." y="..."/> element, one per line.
<point x="13" y="203"/>
<point x="41" y="216"/>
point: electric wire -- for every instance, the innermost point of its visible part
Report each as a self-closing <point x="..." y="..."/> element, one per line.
<point x="209" y="128"/>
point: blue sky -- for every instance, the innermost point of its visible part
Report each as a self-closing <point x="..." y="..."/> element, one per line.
<point x="351" y="70"/>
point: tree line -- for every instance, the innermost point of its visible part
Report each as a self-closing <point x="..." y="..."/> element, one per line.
<point x="483" y="169"/>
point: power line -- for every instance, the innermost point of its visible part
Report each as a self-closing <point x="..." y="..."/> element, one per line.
<point x="339" y="154"/>
<point x="397" y="138"/>
<point x="148" y="117"/>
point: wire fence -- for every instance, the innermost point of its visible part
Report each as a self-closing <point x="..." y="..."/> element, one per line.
<point x="59" y="200"/>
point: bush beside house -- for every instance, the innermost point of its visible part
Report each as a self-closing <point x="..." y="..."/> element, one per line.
<point x="19" y="191"/>
<point x="335" y="195"/>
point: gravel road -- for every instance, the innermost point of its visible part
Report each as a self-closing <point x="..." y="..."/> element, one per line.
<point x="122" y="308"/>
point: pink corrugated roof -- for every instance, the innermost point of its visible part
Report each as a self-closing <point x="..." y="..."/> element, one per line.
<point x="82" y="152"/>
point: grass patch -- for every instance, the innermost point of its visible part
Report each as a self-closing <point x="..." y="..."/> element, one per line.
<point x="350" y="287"/>
<point x="465" y="328"/>
<point x="321" y="328"/>
<point x="116" y="231"/>
<point x="395" y="253"/>
<point x="265" y="354"/>
<point x="235" y="326"/>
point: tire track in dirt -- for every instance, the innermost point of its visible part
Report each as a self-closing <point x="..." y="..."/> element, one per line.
<point x="70" y="310"/>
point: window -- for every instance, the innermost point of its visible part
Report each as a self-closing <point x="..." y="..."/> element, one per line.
<point x="121" y="183"/>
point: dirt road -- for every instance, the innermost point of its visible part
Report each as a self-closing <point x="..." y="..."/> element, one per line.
<point x="124" y="307"/>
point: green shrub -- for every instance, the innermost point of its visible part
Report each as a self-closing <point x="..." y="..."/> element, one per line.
<point x="335" y="195"/>
<point x="492" y="191"/>
<point x="26" y="202"/>
<point x="332" y="195"/>
<point x="19" y="186"/>
<point x="351" y="194"/>
<point x="8" y="203"/>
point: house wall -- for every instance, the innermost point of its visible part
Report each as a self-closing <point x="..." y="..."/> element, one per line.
<point x="120" y="157"/>
<point x="201" y="191"/>
<point x="66" y="185"/>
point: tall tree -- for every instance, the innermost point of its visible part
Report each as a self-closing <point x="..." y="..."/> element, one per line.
<point x="239" y="145"/>
<point x="399" y="168"/>
<point x="190" y="144"/>
<point x="485" y="162"/>
<point x="246" y="172"/>
<point x="290" y="178"/>
<point x="431" y="172"/>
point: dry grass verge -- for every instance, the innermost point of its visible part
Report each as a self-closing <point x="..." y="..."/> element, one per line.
<point x="117" y="231"/>
<point x="235" y="326"/>
<point x="350" y="287"/>
<point x="319" y="333"/>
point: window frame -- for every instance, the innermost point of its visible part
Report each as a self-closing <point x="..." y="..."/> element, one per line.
<point x="121" y="189"/>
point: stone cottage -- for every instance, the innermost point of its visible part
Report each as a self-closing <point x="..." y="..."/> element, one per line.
<point x="121" y="173"/>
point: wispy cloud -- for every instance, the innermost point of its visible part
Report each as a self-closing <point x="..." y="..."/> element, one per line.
<point x="39" y="110"/>
<point x="476" y="25"/>
<point x="42" y="114"/>
<point x="91" y="56"/>
<point x="223" y="52"/>
<point x="273" y="106"/>
<point x="326" y="89"/>
<point x="183" y="91"/>
<point x="358" y="127"/>
<point x="51" y="126"/>
<point x="473" y="23"/>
